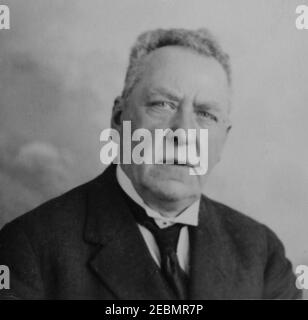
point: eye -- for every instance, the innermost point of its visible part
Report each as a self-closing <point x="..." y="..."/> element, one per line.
<point x="163" y="104"/>
<point x="207" y="115"/>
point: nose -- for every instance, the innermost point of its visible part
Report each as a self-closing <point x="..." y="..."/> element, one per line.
<point x="181" y="122"/>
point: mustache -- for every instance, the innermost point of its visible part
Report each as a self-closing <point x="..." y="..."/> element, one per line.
<point x="178" y="155"/>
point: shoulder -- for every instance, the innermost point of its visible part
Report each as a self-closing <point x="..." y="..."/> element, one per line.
<point x="55" y="218"/>
<point x="230" y="217"/>
<point x="239" y="229"/>
<point x="252" y="246"/>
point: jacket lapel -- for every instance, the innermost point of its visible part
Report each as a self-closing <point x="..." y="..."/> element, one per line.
<point x="209" y="262"/>
<point x="123" y="262"/>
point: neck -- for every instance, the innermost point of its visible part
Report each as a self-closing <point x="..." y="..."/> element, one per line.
<point x="166" y="207"/>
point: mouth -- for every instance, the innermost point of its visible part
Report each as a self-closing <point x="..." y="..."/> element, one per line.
<point x="176" y="162"/>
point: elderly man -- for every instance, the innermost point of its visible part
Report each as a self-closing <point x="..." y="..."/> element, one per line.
<point x="145" y="231"/>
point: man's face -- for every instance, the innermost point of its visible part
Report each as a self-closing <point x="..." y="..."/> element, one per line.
<point x="178" y="88"/>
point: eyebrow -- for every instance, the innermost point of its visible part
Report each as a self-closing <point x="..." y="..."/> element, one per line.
<point x="174" y="95"/>
<point x="209" y="105"/>
<point x="169" y="93"/>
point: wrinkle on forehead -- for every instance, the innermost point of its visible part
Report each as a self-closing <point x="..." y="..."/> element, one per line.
<point x="182" y="72"/>
<point x="176" y="56"/>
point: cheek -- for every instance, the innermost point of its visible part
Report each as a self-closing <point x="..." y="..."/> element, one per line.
<point x="139" y="118"/>
<point x="216" y="143"/>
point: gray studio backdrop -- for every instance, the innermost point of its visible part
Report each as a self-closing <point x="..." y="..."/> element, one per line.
<point x="63" y="62"/>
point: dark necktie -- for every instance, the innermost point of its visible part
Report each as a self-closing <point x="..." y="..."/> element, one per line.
<point x="167" y="240"/>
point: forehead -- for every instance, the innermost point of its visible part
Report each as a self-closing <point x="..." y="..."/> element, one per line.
<point x="185" y="72"/>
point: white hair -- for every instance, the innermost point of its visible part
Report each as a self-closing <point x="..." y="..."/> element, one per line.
<point x="201" y="41"/>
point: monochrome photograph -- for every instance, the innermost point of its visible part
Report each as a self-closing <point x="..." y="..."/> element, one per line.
<point x="153" y="150"/>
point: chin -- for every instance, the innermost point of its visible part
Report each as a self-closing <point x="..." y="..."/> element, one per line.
<point x="171" y="190"/>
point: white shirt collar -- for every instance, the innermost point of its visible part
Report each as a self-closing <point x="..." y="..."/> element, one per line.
<point x="189" y="216"/>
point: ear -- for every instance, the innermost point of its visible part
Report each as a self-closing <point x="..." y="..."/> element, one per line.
<point x="228" y="129"/>
<point x="116" y="118"/>
<point x="228" y="125"/>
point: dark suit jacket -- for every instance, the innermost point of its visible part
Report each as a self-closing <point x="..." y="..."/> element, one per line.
<point x="85" y="244"/>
